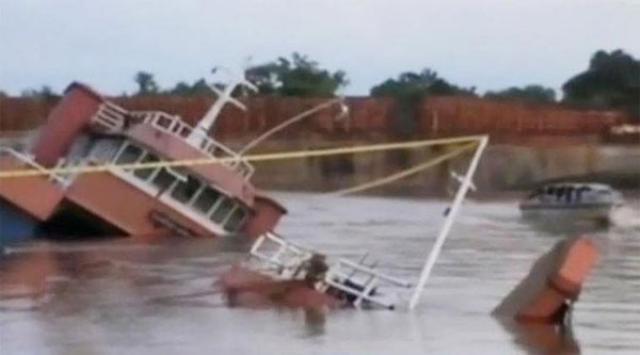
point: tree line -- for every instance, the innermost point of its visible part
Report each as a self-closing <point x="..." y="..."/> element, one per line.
<point x="610" y="81"/>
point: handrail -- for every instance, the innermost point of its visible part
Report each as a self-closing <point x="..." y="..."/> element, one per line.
<point x="111" y="116"/>
<point x="175" y="126"/>
<point x="373" y="272"/>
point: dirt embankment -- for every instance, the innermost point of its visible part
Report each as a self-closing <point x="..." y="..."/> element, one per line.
<point x="371" y="118"/>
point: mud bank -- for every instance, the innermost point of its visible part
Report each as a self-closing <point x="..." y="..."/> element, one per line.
<point x="503" y="169"/>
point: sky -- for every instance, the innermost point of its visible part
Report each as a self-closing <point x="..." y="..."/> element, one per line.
<point x="489" y="44"/>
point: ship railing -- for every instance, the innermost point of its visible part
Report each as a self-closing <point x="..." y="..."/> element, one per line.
<point x="175" y="126"/>
<point x="31" y="162"/>
<point x="111" y="117"/>
<point x="360" y="282"/>
<point x="276" y="255"/>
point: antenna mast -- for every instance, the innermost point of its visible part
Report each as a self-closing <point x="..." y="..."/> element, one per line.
<point x="201" y="131"/>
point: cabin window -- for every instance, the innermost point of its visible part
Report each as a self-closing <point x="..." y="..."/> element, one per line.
<point x="129" y="154"/>
<point x="164" y="122"/>
<point x="206" y="200"/>
<point x="146" y="172"/>
<point x="186" y="189"/>
<point x="163" y="179"/>
<point x="222" y="211"/>
<point x="235" y="220"/>
<point x="105" y="149"/>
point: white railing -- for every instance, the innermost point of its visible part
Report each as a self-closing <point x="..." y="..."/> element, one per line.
<point x="111" y="117"/>
<point x="286" y="261"/>
<point x="114" y="118"/>
<point x="175" y="126"/>
<point x="361" y="282"/>
<point x="279" y="256"/>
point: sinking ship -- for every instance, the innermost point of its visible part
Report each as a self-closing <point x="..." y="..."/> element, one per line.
<point x="99" y="169"/>
<point x="85" y="131"/>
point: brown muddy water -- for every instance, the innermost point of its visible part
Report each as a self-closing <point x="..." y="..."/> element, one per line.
<point x="121" y="296"/>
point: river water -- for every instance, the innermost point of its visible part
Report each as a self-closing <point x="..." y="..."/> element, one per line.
<point x="125" y="296"/>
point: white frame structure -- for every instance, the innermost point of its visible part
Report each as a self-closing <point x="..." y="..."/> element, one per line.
<point x="465" y="185"/>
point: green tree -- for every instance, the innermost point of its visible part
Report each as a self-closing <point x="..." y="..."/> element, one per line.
<point x="409" y="89"/>
<point x="181" y="89"/>
<point x="411" y="85"/>
<point x="298" y="76"/>
<point x="612" y="81"/>
<point x="198" y="88"/>
<point x="530" y="93"/>
<point x="146" y="83"/>
<point x="44" y="93"/>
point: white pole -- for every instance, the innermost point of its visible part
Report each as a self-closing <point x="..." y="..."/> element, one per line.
<point x="200" y="132"/>
<point x="446" y="227"/>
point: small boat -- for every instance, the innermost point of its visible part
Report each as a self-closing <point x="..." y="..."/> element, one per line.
<point x="572" y="202"/>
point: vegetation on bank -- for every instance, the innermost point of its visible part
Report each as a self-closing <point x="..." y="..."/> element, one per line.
<point x="611" y="81"/>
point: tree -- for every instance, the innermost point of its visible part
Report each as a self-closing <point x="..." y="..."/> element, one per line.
<point x="408" y="90"/>
<point x="146" y="83"/>
<point x="198" y="88"/>
<point x="410" y="85"/>
<point x="298" y="76"/>
<point x="612" y="81"/>
<point x="181" y="89"/>
<point x="44" y="93"/>
<point x="530" y="93"/>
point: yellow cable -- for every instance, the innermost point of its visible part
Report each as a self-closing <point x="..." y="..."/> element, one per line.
<point x="404" y="173"/>
<point x="251" y="158"/>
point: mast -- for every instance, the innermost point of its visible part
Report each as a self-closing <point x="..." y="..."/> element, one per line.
<point x="201" y="130"/>
<point x="448" y="223"/>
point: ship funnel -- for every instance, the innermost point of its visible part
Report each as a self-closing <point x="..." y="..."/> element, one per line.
<point x="201" y="131"/>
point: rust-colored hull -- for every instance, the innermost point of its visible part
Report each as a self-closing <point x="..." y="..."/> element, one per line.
<point x="36" y="195"/>
<point x="124" y="206"/>
<point x="247" y="288"/>
<point x="554" y="282"/>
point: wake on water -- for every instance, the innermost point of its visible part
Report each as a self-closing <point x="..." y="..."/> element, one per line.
<point x="627" y="216"/>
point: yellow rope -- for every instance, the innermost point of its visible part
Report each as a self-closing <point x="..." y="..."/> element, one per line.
<point x="251" y="158"/>
<point x="404" y="173"/>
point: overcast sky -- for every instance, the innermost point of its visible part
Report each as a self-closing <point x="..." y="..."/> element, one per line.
<point x="490" y="44"/>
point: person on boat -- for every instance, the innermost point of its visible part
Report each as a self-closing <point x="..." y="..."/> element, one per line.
<point x="315" y="269"/>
